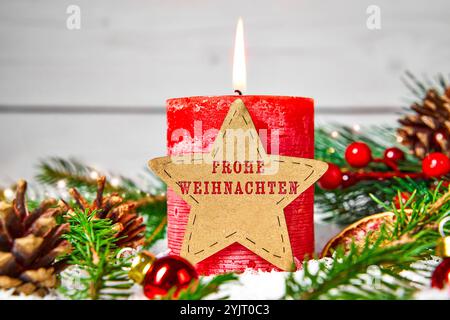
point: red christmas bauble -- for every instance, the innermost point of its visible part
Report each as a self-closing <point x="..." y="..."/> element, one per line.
<point x="394" y="154"/>
<point x="332" y="178"/>
<point x="441" y="275"/>
<point x="436" y="164"/>
<point x="358" y="154"/>
<point x="399" y="201"/>
<point x="167" y="273"/>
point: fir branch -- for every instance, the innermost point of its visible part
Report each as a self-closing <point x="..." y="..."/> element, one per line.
<point x="156" y="234"/>
<point x="72" y="171"/>
<point x="419" y="88"/>
<point x="346" y="205"/>
<point x="202" y="288"/>
<point x="347" y="277"/>
<point x="76" y="174"/>
<point x="155" y="215"/>
<point x="103" y="275"/>
<point x="396" y="248"/>
<point x="332" y="141"/>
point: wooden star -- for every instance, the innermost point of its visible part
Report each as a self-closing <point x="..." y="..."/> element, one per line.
<point x="237" y="192"/>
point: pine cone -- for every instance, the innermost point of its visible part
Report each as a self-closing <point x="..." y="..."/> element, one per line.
<point x="428" y="130"/>
<point x="30" y="242"/>
<point x="122" y="213"/>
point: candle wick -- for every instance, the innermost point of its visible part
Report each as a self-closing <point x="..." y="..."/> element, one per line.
<point x="239" y="92"/>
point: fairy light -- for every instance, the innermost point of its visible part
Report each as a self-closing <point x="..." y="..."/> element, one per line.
<point x="334" y="134"/>
<point x="399" y="139"/>
<point x="50" y="194"/>
<point x="331" y="150"/>
<point x="439" y="136"/>
<point x="115" y="182"/>
<point x="94" y="174"/>
<point x="8" y="193"/>
<point x="356" y="127"/>
<point x="390" y="154"/>
<point x="61" y="184"/>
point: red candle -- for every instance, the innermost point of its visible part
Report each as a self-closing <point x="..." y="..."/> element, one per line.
<point x="193" y="123"/>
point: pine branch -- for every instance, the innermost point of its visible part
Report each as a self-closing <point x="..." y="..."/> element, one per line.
<point x="76" y="174"/>
<point x="411" y="238"/>
<point x="419" y="89"/>
<point x="103" y="275"/>
<point x="156" y="221"/>
<point x="347" y="278"/>
<point x="346" y="205"/>
<point x="350" y="204"/>
<point x="199" y="290"/>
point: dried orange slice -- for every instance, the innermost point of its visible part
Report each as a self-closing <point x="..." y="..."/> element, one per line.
<point x="357" y="232"/>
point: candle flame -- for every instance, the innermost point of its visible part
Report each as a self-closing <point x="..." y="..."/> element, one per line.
<point x="239" y="67"/>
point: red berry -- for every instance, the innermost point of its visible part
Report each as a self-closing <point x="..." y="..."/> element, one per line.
<point x="358" y="154"/>
<point x="436" y="164"/>
<point x="348" y="179"/>
<point x="332" y="178"/>
<point x="399" y="201"/>
<point x="394" y="154"/>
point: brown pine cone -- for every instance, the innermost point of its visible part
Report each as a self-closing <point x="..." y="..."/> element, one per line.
<point x="30" y="242"/>
<point x="428" y="129"/>
<point x="122" y="213"/>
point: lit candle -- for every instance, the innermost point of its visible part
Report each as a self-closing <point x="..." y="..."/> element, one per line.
<point x="193" y="123"/>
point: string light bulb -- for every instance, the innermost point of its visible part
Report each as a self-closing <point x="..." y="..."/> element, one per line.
<point x="115" y="182"/>
<point x="8" y="193"/>
<point x="61" y="184"/>
<point x="94" y="174"/>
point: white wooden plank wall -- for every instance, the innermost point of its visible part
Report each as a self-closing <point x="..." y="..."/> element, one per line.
<point x="139" y="52"/>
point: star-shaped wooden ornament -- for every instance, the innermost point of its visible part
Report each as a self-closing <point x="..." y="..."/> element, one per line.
<point x="237" y="192"/>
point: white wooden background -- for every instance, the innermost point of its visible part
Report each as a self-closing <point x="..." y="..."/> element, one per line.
<point x="139" y="52"/>
<point x="134" y="54"/>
